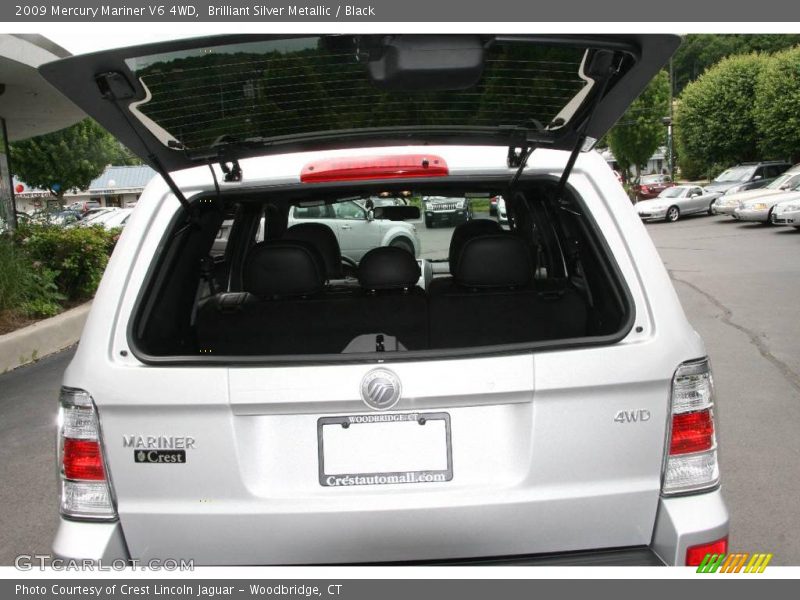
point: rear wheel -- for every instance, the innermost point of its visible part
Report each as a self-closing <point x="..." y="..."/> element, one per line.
<point x="673" y="214"/>
<point x="402" y="243"/>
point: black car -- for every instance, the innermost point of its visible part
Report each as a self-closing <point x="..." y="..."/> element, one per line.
<point x="747" y="176"/>
<point x="442" y="209"/>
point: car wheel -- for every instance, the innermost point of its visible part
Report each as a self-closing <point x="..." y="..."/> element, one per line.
<point x="402" y="243"/>
<point x="673" y="214"/>
<point x="768" y="222"/>
<point x="428" y="223"/>
<point x="711" y="208"/>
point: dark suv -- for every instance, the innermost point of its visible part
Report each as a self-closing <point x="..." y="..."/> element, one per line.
<point x="747" y="176"/>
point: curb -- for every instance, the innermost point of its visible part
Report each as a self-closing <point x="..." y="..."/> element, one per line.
<point x="35" y="341"/>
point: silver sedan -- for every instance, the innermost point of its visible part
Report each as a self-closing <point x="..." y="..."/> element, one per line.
<point x="675" y="202"/>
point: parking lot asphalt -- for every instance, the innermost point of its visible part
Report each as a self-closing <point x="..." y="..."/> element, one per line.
<point x="739" y="285"/>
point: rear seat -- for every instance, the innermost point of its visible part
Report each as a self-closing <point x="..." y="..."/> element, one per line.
<point x="491" y="299"/>
<point x="390" y="303"/>
<point x="286" y="308"/>
<point x="283" y="309"/>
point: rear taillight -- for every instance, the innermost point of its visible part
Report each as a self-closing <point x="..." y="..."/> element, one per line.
<point x="374" y="167"/>
<point x="644" y="189"/>
<point x="691" y="463"/>
<point x="85" y="490"/>
<point x="696" y="554"/>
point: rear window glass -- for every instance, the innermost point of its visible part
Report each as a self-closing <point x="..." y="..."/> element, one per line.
<point x="316" y="85"/>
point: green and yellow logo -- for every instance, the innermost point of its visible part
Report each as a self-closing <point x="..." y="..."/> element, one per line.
<point x="735" y="563"/>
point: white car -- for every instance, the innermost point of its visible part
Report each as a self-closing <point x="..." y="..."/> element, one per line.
<point x="676" y="202"/>
<point x="543" y="398"/>
<point x="356" y="229"/>
<point x="728" y="203"/>
<point x="760" y="208"/>
<point x="787" y="212"/>
<point x="502" y="214"/>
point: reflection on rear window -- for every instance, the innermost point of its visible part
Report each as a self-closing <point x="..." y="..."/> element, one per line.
<point x="314" y="85"/>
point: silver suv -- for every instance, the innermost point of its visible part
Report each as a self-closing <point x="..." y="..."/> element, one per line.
<point x="524" y="394"/>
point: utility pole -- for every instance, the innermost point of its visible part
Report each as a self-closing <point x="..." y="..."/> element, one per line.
<point x="670" y="142"/>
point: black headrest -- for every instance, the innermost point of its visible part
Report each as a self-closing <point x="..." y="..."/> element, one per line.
<point x="283" y="269"/>
<point x="388" y="268"/>
<point x="467" y="231"/>
<point x="494" y="261"/>
<point x="324" y="240"/>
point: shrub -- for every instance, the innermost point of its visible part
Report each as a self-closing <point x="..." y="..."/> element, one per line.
<point x="26" y="288"/>
<point x="715" y="118"/>
<point x="776" y="105"/>
<point x="77" y="256"/>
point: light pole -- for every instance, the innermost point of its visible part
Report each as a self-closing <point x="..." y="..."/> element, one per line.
<point x="670" y="152"/>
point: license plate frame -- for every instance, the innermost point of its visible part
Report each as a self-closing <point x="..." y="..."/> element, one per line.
<point x="384" y="477"/>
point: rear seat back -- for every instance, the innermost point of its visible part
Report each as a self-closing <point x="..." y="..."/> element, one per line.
<point x="491" y="299"/>
<point x="283" y="310"/>
<point x="390" y="303"/>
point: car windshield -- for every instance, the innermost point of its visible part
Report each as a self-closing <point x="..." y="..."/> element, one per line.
<point x="736" y="174"/>
<point x="650" y="179"/>
<point x="313" y="86"/>
<point x="673" y="192"/>
<point x="785" y="181"/>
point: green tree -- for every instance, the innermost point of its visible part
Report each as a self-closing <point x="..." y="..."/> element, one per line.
<point x="698" y="52"/>
<point x="714" y="118"/>
<point x="640" y="131"/>
<point x="777" y="100"/>
<point x="66" y="159"/>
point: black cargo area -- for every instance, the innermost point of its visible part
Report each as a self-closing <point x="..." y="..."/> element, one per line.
<point x="240" y="279"/>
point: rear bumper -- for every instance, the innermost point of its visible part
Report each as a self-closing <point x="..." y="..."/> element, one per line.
<point x="681" y="522"/>
<point x="638" y="556"/>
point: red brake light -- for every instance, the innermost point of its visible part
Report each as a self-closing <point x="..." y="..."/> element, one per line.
<point x="696" y="554"/>
<point x="692" y="432"/>
<point x="374" y="167"/>
<point x="83" y="460"/>
<point x="645" y="189"/>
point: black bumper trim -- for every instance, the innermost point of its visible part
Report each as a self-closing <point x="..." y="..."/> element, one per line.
<point x="637" y="556"/>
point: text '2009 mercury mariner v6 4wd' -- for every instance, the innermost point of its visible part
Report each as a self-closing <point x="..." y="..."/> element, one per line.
<point x="267" y="376"/>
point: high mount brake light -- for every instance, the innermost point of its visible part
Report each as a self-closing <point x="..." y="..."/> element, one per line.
<point x="85" y="490"/>
<point x="691" y="464"/>
<point x="365" y="168"/>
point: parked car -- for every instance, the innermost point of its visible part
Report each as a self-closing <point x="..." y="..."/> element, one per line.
<point x="650" y="186"/>
<point x="675" y="202"/>
<point x="95" y="216"/>
<point x="542" y="399"/>
<point x="502" y="214"/>
<point x="729" y="202"/>
<point x="114" y="219"/>
<point x="84" y="206"/>
<point x="445" y="209"/>
<point x="746" y="176"/>
<point x="787" y="212"/>
<point x="760" y="209"/>
<point x="493" y="205"/>
<point x="357" y="231"/>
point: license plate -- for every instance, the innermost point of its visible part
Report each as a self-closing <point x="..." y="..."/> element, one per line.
<point x="383" y="449"/>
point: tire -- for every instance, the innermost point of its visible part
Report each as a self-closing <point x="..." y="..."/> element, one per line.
<point x="768" y="222"/>
<point x="428" y="223"/>
<point x="403" y="243"/>
<point x="673" y="214"/>
<point x="711" y="208"/>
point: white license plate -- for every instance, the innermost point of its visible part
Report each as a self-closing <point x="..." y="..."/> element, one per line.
<point x="381" y="449"/>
